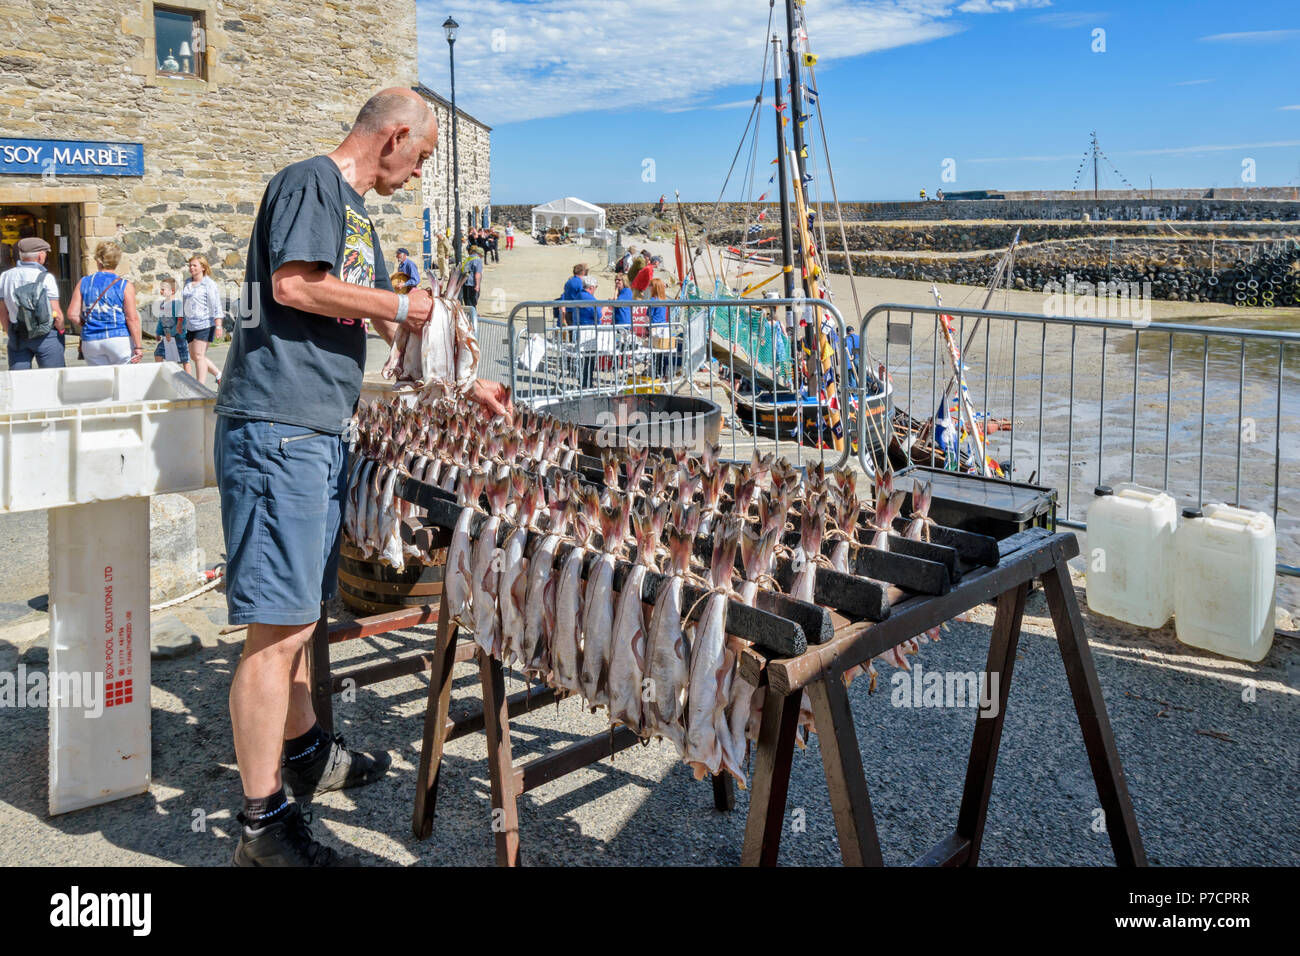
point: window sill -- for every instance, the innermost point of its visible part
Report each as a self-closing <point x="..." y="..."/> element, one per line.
<point x="170" y="82"/>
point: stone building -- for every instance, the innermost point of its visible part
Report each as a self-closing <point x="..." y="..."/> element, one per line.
<point x="474" y="143"/>
<point x="159" y="125"/>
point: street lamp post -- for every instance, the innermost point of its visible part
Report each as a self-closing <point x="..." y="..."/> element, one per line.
<point x="450" y="26"/>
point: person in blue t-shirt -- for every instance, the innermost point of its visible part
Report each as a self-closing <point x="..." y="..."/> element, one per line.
<point x="622" y="314"/>
<point x="572" y="291"/>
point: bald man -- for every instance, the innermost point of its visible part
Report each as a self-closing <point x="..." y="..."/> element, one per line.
<point x="292" y="380"/>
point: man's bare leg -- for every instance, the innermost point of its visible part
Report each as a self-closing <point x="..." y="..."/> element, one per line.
<point x="260" y="699"/>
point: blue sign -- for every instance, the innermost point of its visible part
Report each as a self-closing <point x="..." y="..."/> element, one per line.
<point x="67" y="157"/>
<point x="428" y="242"/>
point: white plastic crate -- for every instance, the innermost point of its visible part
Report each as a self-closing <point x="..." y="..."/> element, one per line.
<point x="82" y="434"/>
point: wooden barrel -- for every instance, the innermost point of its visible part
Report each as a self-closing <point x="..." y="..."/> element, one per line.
<point x="367" y="586"/>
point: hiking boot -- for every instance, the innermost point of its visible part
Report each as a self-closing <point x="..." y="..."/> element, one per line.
<point x="287" y="842"/>
<point x="334" y="768"/>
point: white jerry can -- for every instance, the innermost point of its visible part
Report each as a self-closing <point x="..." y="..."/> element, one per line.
<point x="1130" y="554"/>
<point x="1226" y="581"/>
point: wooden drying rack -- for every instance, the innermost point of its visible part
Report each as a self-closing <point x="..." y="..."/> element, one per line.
<point x="798" y="647"/>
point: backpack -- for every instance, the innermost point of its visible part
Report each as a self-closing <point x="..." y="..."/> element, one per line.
<point x="34" y="320"/>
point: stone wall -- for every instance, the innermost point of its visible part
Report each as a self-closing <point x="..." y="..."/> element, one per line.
<point x="618" y="215"/>
<point x="474" y="144"/>
<point x="283" y="83"/>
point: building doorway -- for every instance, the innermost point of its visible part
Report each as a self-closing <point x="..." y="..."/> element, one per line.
<point x="59" y="224"/>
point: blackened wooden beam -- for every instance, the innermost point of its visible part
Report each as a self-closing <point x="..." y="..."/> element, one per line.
<point x="927" y="552"/>
<point x="972" y="548"/>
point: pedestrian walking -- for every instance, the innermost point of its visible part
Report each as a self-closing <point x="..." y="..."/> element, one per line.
<point x="510" y="236"/>
<point x="103" y="307"/>
<point x="203" y="315"/>
<point x="29" y="309"/>
<point x="473" y="269"/>
<point x="292" y="383"/>
<point x="170" y="327"/>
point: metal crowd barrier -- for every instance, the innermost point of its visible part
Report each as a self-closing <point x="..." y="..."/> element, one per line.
<point x="547" y="361"/>
<point x="1196" y="410"/>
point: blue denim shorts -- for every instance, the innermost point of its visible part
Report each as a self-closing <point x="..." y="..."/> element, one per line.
<point x="282" y="493"/>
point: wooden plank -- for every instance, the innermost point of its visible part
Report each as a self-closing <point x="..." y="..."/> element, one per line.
<point x="383" y="623"/>
<point x="435" y="724"/>
<point x="1107" y="771"/>
<point x="524" y="701"/>
<point x="573" y="757"/>
<point x="861" y="642"/>
<point x="402" y="666"/>
<point x="771" y="786"/>
<point x="915" y="574"/>
<point x="496" y="728"/>
<point x="972" y="549"/>
<point x="987" y="737"/>
<point x="724" y="791"/>
<point x="952" y="850"/>
<point x="842" y="762"/>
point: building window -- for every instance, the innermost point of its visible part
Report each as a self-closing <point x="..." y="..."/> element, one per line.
<point x="179" y="42"/>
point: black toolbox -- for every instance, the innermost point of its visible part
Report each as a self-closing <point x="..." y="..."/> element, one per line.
<point x="991" y="506"/>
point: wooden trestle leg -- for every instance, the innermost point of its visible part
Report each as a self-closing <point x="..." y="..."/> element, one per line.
<point x="435" y="723"/>
<point x="771" y="780"/>
<point x="845" y="780"/>
<point x="1107" y="771"/>
<point x="1005" y="638"/>
<point x="318" y="671"/>
<point x="501" y="770"/>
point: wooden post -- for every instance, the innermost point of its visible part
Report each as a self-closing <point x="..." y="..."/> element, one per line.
<point x="1107" y="771"/>
<point x="318" y="672"/>
<point x="501" y="771"/>
<point x="842" y="763"/>
<point x="771" y="779"/>
<point x="988" y="725"/>
<point x="435" y="723"/>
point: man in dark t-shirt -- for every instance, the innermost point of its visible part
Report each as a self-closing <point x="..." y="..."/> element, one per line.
<point x="315" y="274"/>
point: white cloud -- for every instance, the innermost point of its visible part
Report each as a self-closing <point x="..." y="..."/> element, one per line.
<point x="1296" y="107"/>
<point x="1191" y="82"/>
<point x="1211" y="149"/>
<point x="1252" y="36"/>
<point x="1001" y="6"/>
<point x="736" y="105"/>
<point x="545" y="58"/>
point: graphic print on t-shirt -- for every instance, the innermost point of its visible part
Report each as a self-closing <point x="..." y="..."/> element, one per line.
<point x="358" y="249"/>
<point x="358" y="265"/>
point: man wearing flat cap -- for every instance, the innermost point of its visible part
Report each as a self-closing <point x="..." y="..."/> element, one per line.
<point x="407" y="267"/>
<point x="29" y="309"/>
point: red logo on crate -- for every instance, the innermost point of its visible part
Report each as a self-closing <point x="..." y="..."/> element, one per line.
<point x="118" y="693"/>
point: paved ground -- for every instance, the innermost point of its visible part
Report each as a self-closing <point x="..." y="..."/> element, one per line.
<point x="1210" y="745"/>
<point x="1213" y="776"/>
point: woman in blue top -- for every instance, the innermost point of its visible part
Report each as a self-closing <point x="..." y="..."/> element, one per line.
<point x="203" y="314"/>
<point x="622" y="314"/>
<point x="110" y="326"/>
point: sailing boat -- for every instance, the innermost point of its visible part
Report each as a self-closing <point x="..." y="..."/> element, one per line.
<point x="798" y="396"/>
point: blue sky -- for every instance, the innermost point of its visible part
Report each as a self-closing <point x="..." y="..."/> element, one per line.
<point x="580" y="93"/>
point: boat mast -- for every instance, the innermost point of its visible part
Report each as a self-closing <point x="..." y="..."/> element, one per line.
<point x="787" y="241"/>
<point x="796" y="111"/>
<point x="1094" y="164"/>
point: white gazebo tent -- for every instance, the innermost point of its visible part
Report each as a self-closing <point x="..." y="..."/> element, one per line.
<point x="569" y="211"/>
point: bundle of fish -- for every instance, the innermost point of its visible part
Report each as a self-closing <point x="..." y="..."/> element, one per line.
<point x="519" y="583"/>
<point x="443" y="358"/>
